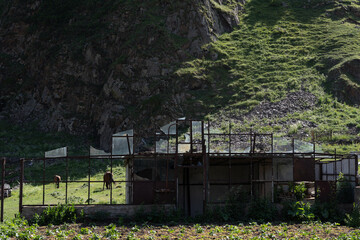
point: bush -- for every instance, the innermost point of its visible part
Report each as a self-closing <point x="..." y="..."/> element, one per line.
<point x="353" y="219"/>
<point x="299" y="190"/>
<point x="58" y="215"/>
<point x="344" y="190"/>
<point x="327" y="212"/>
<point x="298" y="211"/>
<point x="262" y="210"/>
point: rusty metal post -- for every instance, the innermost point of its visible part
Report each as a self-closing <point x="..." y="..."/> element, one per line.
<point x="175" y="163"/>
<point x="203" y="150"/>
<point x="2" y="188"/>
<point x="356" y="170"/>
<point x="43" y="181"/>
<point x="335" y="171"/>
<point x="111" y="170"/>
<point x="191" y="139"/>
<point x="251" y="178"/>
<point x="272" y="178"/>
<point x="155" y="150"/>
<point x="21" y="184"/>
<point x="89" y="174"/>
<point x="67" y="177"/>
<point x="208" y="136"/>
<point x="128" y="143"/>
<point x="229" y="156"/>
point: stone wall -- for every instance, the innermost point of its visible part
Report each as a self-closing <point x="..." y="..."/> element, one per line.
<point x="110" y="211"/>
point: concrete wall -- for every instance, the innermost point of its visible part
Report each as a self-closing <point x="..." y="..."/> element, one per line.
<point x="110" y="211"/>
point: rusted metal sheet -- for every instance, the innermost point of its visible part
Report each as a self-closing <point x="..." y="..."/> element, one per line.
<point x="143" y="192"/>
<point x="163" y="194"/>
<point x="154" y="192"/>
<point x="304" y="169"/>
<point x="325" y="190"/>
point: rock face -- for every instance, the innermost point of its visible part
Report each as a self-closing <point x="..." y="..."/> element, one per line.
<point x="294" y="102"/>
<point x="101" y="67"/>
<point x="344" y="79"/>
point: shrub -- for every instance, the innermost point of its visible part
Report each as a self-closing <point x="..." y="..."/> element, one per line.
<point x="344" y="190"/>
<point x="233" y="210"/>
<point x="58" y="215"/>
<point x="327" y="212"/>
<point x="299" y="190"/>
<point x="353" y="219"/>
<point x="298" y="211"/>
<point x="262" y="210"/>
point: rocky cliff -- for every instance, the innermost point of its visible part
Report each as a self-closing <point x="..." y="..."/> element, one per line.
<point x="97" y="67"/>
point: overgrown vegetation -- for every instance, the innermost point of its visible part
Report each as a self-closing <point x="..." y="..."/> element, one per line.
<point x="59" y="214"/>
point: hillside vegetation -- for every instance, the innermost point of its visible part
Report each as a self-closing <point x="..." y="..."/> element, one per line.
<point x="281" y="47"/>
<point x="94" y="68"/>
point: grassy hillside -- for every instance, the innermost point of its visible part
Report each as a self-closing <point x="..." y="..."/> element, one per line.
<point x="281" y="47"/>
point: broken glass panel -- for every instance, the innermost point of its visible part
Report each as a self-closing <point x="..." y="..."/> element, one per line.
<point x="120" y="145"/>
<point x="59" y="152"/>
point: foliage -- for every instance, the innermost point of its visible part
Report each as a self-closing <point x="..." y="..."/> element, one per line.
<point x="233" y="210"/>
<point x="327" y="212"/>
<point x="58" y="215"/>
<point x="353" y="219"/>
<point x="299" y="190"/>
<point x="262" y="210"/>
<point x="298" y="211"/>
<point x="344" y="190"/>
<point x="310" y="230"/>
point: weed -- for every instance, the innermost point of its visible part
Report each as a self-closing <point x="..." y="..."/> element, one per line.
<point x="299" y="190"/>
<point x="353" y="219"/>
<point x="262" y="210"/>
<point x="344" y="190"/>
<point x="58" y="215"/>
<point x="298" y="211"/>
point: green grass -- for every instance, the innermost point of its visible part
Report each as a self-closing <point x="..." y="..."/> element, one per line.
<point x="77" y="192"/>
<point x="273" y="51"/>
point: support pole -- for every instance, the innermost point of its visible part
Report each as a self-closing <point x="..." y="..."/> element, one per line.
<point x="111" y="170"/>
<point x="203" y="150"/>
<point x="89" y="174"/>
<point x="229" y="156"/>
<point x="43" y="181"/>
<point x="2" y="188"/>
<point x="21" y="184"/>
<point x="67" y="177"/>
<point x="175" y="164"/>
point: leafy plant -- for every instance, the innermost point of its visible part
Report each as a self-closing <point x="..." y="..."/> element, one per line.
<point x="299" y="190"/>
<point x="298" y="211"/>
<point x="262" y="210"/>
<point x="344" y="190"/>
<point x="58" y="215"/>
<point x="353" y="219"/>
<point x="327" y="211"/>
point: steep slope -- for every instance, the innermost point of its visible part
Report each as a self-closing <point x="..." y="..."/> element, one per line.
<point x="96" y="67"/>
<point x="289" y="67"/>
<point x="102" y="66"/>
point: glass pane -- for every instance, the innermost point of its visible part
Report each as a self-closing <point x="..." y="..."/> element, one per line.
<point x="59" y="152"/>
<point x="122" y="143"/>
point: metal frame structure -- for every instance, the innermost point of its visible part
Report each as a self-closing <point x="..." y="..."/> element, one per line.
<point x="201" y="155"/>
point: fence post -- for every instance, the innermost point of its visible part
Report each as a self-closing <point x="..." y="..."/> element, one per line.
<point x="2" y="188"/>
<point x="21" y="184"/>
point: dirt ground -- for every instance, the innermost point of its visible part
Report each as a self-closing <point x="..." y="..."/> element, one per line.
<point x="312" y="230"/>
